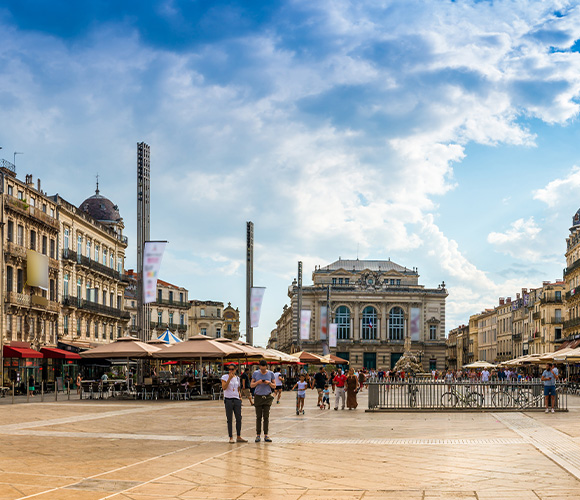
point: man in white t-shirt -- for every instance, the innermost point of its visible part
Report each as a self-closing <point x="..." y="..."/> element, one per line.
<point x="485" y="375"/>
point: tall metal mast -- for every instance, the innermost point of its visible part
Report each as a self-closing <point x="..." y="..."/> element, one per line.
<point x="249" y="279"/>
<point x="143" y="205"/>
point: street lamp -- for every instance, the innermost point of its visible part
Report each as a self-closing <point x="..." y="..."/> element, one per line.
<point x="16" y="153"/>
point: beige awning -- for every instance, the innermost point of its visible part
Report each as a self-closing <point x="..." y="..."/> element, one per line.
<point x="125" y="347"/>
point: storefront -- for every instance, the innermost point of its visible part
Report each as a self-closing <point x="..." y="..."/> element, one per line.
<point x="20" y="363"/>
<point x="58" y="365"/>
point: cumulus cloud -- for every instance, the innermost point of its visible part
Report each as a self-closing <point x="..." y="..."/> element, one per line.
<point x="558" y="190"/>
<point x="333" y="125"/>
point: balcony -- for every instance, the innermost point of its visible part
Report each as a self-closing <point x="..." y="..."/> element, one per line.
<point x="87" y="305"/>
<point x="571" y="323"/>
<point x="83" y="261"/>
<point x="575" y="265"/>
<point x="174" y="303"/>
<point x="22" y="207"/>
<point x="517" y="336"/>
<point x="551" y="300"/>
<point x="70" y="301"/>
<point x="15" y="250"/>
<point x="158" y="325"/>
<point x="181" y="328"/>
<point x="32" y="301"/>
<point x="536" y="315"/>
<point x="556" y="320"/>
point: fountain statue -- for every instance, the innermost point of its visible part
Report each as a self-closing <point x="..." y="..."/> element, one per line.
<point x="408" y="361"/>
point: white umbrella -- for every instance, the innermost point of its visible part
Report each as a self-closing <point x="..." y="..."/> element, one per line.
<point x="479" y="364"/>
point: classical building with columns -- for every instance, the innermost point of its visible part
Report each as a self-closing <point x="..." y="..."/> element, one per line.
<point x="376" y="305"/>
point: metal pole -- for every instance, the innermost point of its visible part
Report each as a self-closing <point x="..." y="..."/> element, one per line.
<point x="249" y="279"/>
<point x="42" y="391"/>
<point x="13" y="392"/>
<point x="299" y="306"/>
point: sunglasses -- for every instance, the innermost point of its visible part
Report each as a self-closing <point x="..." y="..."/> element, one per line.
<point x="231" y="368"/>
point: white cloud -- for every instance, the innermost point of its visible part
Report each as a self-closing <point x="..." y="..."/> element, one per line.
<point x="559" y="190"/>
<point x="520" y="241"/>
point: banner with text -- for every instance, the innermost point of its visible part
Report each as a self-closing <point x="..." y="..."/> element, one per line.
<point x="256" y="297"/>
<point x="323" y="323"/>
<point x="152" y="256"/>
<point x="305" y="316"/>
<point x="332" y="331"/>
<point x="415" y="324"/>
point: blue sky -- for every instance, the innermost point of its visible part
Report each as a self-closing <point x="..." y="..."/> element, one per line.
<point x="440" y="134"/>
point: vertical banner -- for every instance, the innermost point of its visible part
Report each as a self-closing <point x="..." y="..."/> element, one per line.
<point x="332" y="331"/>
<point x="415" y="324"/>
<point x="36" y="269"/>
<point x="305" y="315"/>
<point x="152" y="255"/>
<point x="323" y="323"/>
<point x="256" y="296"/>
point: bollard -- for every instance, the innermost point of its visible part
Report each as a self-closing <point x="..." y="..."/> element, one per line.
<point x="27" y="393"/>
<point x="68" y="389"/>
<point x="42" y="391"/>
<point x="12" y="392"/>
<point x="55" y="391"/>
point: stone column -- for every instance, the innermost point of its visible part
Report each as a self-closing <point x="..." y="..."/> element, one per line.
<point x="356" y="330"/>
<point x="383" y="332"/>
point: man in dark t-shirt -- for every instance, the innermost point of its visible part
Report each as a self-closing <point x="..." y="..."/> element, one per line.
<point x="245" y="386"/>
<point x="320" y="380"/>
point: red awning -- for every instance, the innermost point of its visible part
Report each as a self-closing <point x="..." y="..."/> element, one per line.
<point x="54" y="353"/>
<point x="21" y="352"/>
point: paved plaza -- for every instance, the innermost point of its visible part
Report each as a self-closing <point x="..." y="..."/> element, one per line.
<point x="145" y="450"/>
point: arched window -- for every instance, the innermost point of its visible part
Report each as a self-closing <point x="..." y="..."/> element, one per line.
<point x="369" y="323"/>
<point x="342" y="319"/>
<point x="396" y="323"/>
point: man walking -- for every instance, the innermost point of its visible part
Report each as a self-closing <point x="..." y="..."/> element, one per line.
<point x="339" y="382"/>
<point x="549" y="379"/>
<point x="263" y="382"/>
<point x="320" y="380"/>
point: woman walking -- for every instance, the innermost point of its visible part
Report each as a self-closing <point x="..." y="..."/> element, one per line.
<point x="351" y="390"/>
<point x="233" y="403"/>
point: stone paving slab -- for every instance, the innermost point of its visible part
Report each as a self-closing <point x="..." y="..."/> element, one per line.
<point x="177" y="450"/>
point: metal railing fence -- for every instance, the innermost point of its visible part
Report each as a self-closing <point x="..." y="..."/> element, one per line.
<point x="461" y="395"/>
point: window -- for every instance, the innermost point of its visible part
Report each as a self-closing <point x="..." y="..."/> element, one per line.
<point x="79" y="245"/>
<point x="229" y="328"/>
<point x="96" y="331"/>
<point x="558" y="295"/>
<point x="33" y="240"/>
<point x="334" y="281"/>
<point x="32" y="202"/>
<point x="88" y="249"/>
<point x="218" y="313"/>
<point x="170" y="296"/>
<point x="44" y="245"/>
<point x="119" y="300"/>
<point x="182" y="319"/>
<point x="202" y="312"/>
<point x="218" y="333"/>
<point x="112" y="261"/>
<point x="9" y="278"/>
<point x="88" y="330"/>
<point x="346" y="281"/>
<point x="432" y="332"/>
<point x="111" y="300"/>
<point x="20" y="235"/>
<point x="78" y="327"/>
<point x="181" y="297"/>
<point x="52" y="212"/>
<point x="204" y="331"/>
<point x="79" y="289"/>
<point x="104" y="256"/>
<point x="66" y="238"/>
<point x="111" y="333"/>
<point x="44" y="207"/>
<point x="558" y="313"/>
<point x="159" y="317"/>
<point x="97" y="248"/>
<point x="19" y="280"/>
<point x="392" y="282"/>
<point x="65" y="286"/>
<point x="65" y="324"/>
<point x="104" y="297"/>
<point x="88" y="296"/>
<point x="340" y="280"/>
<point x="342" y="319"/>
<point x="10" y="190"/>
<point x="398" y="282"/>
<point x="52" y="249"/>
<point x="171" y="318"/>
<point x="159" y="296"/>
<point x="396" y="323"/>
<point x="51" y="290"/>
<point x="120" y="265"/>
<point x="369" y="323"/>
<point x="10" y="235"/>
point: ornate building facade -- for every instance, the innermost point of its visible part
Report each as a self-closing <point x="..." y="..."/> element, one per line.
<point x="376" y="305"/>
<point x="208" y="317"/>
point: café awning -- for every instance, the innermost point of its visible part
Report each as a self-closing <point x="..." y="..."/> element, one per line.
<point x="54" y="353"/>
<point x="20" y="352"/>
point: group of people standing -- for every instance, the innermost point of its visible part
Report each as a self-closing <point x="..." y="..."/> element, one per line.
<point x="267" y="387"/>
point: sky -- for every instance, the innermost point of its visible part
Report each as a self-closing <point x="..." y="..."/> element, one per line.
<point x="440" y="134"/>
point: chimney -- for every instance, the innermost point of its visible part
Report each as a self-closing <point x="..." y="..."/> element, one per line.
<point x="38" y="184"/>
<point x="501" y="301"/>
<point x="517" y="296"/>
<point x="509" y="300"/>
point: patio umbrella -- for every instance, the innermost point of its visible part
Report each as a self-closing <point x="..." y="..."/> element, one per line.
<point x="125" y="347"/>
<point x="335" y="360"/>
<point x="573" y="355"/>
<point x="479" y="364"/>
<point x="168" y="337"/>
<point x="308" y="357"/>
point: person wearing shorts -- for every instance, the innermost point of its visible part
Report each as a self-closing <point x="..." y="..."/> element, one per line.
<point x="549" y="379"/>
<point x="320" y="380"/>
<point x="279" y="379"/>
<point x="301" y="386"/>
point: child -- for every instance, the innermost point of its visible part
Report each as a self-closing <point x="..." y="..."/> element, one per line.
<point x="301" y="395"/>
<point x="325" y="397"/>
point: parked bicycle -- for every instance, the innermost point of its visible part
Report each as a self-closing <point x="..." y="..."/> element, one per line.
<point x="467" y="398"/>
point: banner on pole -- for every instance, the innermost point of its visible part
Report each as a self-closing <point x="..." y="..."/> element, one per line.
<point x="415" y="323"/>
<point x="332" y="331"/>
<point x="323" y="323"/>
<point x="152" y="255"/>
<point x="36" y="269"/>
<point x="256" y="296"/>
<point x="305" y="316"/>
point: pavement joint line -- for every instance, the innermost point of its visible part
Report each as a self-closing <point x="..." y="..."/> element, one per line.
<point x="554" y="444"/>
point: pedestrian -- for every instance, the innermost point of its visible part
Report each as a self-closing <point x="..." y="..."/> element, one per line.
<point x="233" y="403"/>
<point x="325" y="397"/>
<point x="245" y="381"/>
<point x="301" y="386"/>
<point x="549" y="379"/>
<point x="351" y="385"/>
<point x="339" y="382"/>
<point x="31" y="385"/>
<point x="279" y="381"/>
<point x="361" y="380"/>
<point x="79" y="382"/>
<point x="263" y="382"/>
<point x="320" y="380"/>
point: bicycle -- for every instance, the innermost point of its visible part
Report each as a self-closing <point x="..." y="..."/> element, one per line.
<point x="471" y="399"/>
